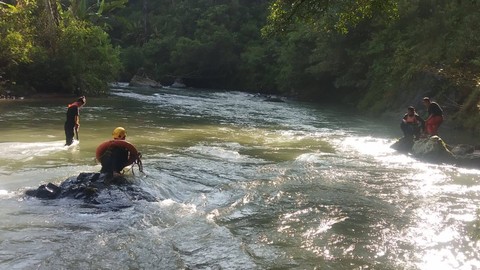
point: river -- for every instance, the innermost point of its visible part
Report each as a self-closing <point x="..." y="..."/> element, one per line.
<point x="242" y="184"/>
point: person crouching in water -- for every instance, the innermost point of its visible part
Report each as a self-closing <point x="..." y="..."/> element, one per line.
<point x="72" y="123"/>
<point x="114" y="155"/>
<point x="412" y="124"/>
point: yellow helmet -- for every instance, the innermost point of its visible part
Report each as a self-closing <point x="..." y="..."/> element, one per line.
<point x="119" y="133"/>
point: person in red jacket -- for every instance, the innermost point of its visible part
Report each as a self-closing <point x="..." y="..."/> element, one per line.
<point x="114" y="155"/>
<point x="72" y="122"/>
<point x="114" y="159"/>
<point x="435" y="116"/>
<point x="412" y="124"/>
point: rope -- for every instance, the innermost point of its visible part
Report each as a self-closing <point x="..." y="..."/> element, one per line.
<point x="139" y="163"/>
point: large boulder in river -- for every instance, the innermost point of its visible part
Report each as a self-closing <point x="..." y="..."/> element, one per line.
<point x="144" y="81"/>
<point x="178" y="83"/>
<point x="95" y="189"/>
<point x="431" y="149"/>
<point x="434" y="149"/>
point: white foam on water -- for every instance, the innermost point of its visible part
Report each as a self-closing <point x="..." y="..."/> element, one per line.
<point x="216" y="152"/>
<point x="29" y="150"/>
<point x="4" y="193"/>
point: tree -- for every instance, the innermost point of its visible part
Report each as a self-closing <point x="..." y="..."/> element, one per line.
<point x="326" y="15"/>
<point x="16" y="37"/>
<point x="54" y="46"/>
<point x="90" y="61"/>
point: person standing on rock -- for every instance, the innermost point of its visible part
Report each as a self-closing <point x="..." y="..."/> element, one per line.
<point x="412" y="124"/>
<point x="435" y="116"/>
<point x="73" y="119"/>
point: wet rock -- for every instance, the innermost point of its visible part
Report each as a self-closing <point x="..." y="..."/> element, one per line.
<point x="403" y="145"/>
<point x="96" y="190"/>
<point x="434" y="149"/>
<point x="178" y="83"/>
<point x="48" y="191"/>
<point x="273" y="99"/>
<point x="141" y="81"/>
<point x="463" y="149"/>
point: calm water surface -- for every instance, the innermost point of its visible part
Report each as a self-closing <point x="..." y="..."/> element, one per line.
<point x="242" y="184"/>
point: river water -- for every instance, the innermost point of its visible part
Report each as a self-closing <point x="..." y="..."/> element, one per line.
<point x="242" y="184"/>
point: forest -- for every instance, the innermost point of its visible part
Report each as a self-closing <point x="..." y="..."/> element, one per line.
<point x="377" y="56"/>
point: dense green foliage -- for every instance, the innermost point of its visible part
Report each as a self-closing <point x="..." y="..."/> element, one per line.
<point x="45" y="46"/>
<point x="16" y="39"/>
<point x="376" y="55"/>
<point x="207" y="43"/>
<point x="327" y="15"/>
<point x="378" y="64"/>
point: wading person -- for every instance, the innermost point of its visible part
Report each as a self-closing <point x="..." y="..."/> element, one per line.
<point x="73" y="119"/>
<point x="412" y="124"/>
<point x="435" y="116"/>
<point x="116" y="154"/>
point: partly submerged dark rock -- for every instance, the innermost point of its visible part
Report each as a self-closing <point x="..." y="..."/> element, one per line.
<point x="434" y="149"/>
<point x="462" y="149"/>
<point x="48" y="191"/>
<point x="471" y="160"/>
<point x="273" y="99"/>
<point x="403" y="145"/>
<point x="95" y="189"/>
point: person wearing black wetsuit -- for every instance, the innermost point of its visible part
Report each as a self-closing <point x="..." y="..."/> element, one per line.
<point x="72" y="122"/>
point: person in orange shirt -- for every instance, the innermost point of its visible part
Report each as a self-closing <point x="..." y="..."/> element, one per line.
<point x="412" y="124"/>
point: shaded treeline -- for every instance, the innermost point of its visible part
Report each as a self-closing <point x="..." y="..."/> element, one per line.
<point x="214" y="44"/>
<point x="376" y="55"/>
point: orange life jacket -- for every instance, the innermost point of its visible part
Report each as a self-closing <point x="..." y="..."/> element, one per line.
<point x="411" y="119"/>
<point x="76" y="104"/>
